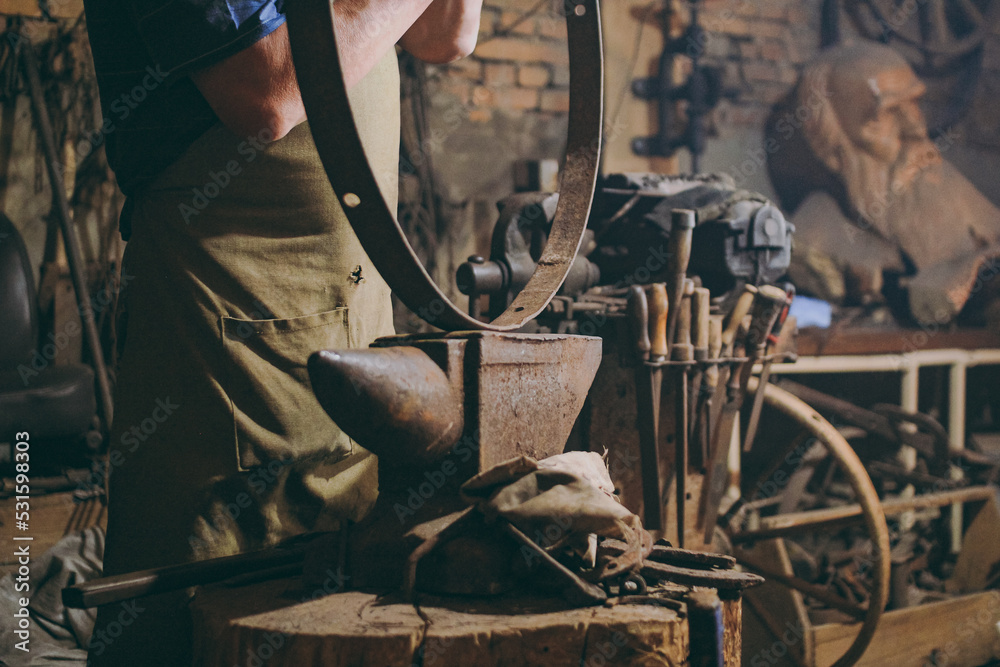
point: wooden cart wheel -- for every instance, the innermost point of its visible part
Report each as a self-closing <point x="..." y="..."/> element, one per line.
<point x="868" y="508"/>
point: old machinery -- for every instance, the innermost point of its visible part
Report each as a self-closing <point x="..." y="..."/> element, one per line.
<point x="739" y="237"/>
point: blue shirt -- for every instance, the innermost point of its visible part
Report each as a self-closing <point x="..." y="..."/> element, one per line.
<point x="143" y="53"/>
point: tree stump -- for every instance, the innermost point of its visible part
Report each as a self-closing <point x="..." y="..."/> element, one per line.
<point x="282" y="623"/>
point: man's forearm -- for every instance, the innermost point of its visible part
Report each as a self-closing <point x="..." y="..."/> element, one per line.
<point x="256" y="89"/>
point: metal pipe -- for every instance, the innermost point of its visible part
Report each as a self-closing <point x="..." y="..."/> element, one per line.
<point x="909" y="394"/>
<point x="888" y="362"/>
<point x="811" y="521"/>
<point x="957" y="380"/>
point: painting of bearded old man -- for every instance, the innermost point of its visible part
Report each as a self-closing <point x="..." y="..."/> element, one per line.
<point x="878" y="212"/>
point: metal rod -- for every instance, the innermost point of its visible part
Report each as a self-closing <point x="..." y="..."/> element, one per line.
<point x="70" y="238"/>
<point x="109" y="590"/>
<point x="815" y="591"/>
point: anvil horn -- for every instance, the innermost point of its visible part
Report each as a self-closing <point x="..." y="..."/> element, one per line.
<point x="396" y="402"/>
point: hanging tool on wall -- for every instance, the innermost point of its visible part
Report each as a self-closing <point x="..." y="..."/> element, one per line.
<point x="702" y="91"/>
<point x="21" y="49"/>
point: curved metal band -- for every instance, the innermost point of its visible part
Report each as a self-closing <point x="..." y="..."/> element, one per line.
<point x="317" y="65"/>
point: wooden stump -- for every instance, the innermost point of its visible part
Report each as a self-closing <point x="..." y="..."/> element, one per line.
<point x="279" y="624"/>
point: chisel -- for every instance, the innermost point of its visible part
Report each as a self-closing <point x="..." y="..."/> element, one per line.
<point x="736" y="316"/>
<point x="682" y="222"/>
<point x="714" y="486"/>
<point x="765" y="371"/>
<point x="683" y="352"/>
<point x="700" y="311"/>
<point x="770" y="302"/>
<point x="647" y="408"/>
<point x="659" y="351"/>
<point x="709" y="382"/>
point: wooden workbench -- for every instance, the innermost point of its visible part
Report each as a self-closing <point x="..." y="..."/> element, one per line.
<point x="269" y="623"/>
<point x="839" y="341"/>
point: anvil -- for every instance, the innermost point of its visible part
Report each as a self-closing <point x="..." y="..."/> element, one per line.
<point x="438" y="410"/>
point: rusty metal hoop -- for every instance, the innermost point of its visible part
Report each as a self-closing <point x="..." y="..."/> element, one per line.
<point x="867" y="497"/>
<point x="314" y="52"/>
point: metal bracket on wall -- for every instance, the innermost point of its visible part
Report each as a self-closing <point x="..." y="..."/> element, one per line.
<point x="702" y="91"/>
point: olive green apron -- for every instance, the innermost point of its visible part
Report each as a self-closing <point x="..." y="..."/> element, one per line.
<point x="240" y="266"/>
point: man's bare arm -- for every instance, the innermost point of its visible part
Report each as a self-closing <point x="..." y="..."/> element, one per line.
<point x="256" y="91"/>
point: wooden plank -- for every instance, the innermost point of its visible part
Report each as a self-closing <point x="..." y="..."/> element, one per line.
<point x="497" y="632"/>
<point x="797" y="523"/>
<point x="625" y="59"/>
<point x="50" y="516"/>
<point x="270" y="620"/>
<point x="890" y="340"/>
<point x="776" y="621"/>
<point x="979" y="560"/>
<point x="732" y="639"/>
<point x="952" y="632"/>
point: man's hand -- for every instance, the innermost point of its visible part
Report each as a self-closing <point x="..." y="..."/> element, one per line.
<point x="447" y="31"/>
<point x="255" y="91"/>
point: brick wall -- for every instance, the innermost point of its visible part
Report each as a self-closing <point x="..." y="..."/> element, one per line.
<point x="523" y="66"/>
<point x="762" y="46"/>
<point x="520" y="65"/>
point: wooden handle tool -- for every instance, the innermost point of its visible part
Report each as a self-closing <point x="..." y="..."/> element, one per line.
<point x="659" y="310"/>
<point x="682" y="223"/>
<point x="736" y="317"/>
<point x="637" y="311"/>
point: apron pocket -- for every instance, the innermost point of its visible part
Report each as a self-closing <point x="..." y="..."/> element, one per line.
<point x="275" y="414"/>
